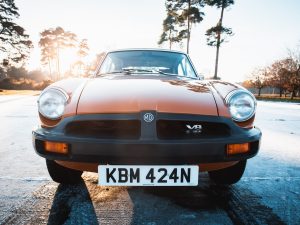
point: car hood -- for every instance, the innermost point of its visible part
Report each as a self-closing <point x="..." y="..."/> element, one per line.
<point x="129" y="94"/>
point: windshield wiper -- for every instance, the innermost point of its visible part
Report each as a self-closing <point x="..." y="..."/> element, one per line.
<point x="129" y="71"/>
<point x="132" y="70"/>
<point x="112" y="72"/>
<point x="125" y="70"/>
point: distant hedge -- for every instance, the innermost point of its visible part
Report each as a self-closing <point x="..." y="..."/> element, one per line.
<point x="23" y="84"/>
<point x="278" y="99"/>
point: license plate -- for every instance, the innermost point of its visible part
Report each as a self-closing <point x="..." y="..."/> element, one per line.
<point x="118" y="175"/>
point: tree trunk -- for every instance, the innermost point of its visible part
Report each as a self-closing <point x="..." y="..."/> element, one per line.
<point x="49" y="64"/>
<point x="170" y="40"/>
<point x="219" y="41"/>
<point x="216" y="63"/>
<point x="58" y="66"/>
<point x="189" y="29"/>
<point x="80" y="67"/>
<point x="280" y="92"/>
<point x="293" y="93"/>
<point x="259" y="91"/>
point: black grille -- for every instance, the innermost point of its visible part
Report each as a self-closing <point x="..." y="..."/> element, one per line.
<point x="105" y="129"/>
<point x="176" y="129"/>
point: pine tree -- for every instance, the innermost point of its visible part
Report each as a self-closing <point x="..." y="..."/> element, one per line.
<point x="52" y="41"/>
<point x="217" y="34"/>
<point x="181" y="15"/>
<point x="14" y="42"/>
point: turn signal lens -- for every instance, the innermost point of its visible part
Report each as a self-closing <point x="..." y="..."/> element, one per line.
<point x="233" y="149"/>
<point x="56" y="147"/>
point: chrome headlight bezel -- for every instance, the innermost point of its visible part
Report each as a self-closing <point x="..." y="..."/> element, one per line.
<point x="59" y="97"/>
<point x="238" y="95"/>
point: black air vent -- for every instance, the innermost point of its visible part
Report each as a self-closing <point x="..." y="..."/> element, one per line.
<point x="105" y="129"/>
<point x="177" y="129"/>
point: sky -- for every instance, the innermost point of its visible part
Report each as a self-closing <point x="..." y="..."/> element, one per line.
<point x="263" y="30"/>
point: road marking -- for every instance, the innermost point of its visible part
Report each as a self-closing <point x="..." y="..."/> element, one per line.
<point x="25" y="178"/>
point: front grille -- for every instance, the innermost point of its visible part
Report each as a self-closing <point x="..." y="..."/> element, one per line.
<point x="177" y="129"/>
<point x="105" y="129"/>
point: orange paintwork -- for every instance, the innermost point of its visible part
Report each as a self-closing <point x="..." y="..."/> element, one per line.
<point x="221" y="105"/>
<point x="138" y="93"/>
<point x="125" y="94"/>
<point x="93" y="167"/>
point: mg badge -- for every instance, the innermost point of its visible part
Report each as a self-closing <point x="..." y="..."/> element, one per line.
<point x="148" y="117"/>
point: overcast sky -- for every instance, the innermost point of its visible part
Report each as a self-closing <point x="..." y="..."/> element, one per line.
<point x="263" y="29"/>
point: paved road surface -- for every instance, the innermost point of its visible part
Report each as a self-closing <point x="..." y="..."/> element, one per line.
<point x="269" y="192"/>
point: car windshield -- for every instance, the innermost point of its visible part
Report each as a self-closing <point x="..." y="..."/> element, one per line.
<point x="140" y="62"/>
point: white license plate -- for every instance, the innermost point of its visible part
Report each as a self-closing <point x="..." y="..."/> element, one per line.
<point x="117" y="175"/>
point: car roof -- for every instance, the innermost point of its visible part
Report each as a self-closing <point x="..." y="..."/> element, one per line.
<point x="147" y="49"/>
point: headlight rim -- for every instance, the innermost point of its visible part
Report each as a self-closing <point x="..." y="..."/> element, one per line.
<point x="237" y="92"/>
<point x="58" y="90"/>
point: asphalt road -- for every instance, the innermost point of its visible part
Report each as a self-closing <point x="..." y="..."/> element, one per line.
<point x="268" y="193"/>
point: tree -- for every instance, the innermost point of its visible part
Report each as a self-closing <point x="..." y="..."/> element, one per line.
<point x="169" y="28"/>
<point x="2" y="73"/>
<point x="52" y="41"/>
<point x="37" y="75"/>
<point x="258" y="79"/>
<point x="82" y="51"/>
<point x="247" y="84"/>
<point x="291" y="79"/>
<point x="48" y="51"/>
<point x="14" y="42"/>
<point x="217" y="34"/>
<point x="191" y="14"/>
<point x="83" y="48"/>
<point x="181" y="15"/>
<point x="277" y="76"/>
<point x="17" y="72"/>
<point x="294" y="56"/>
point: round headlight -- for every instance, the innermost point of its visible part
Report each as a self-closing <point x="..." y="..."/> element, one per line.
<point x="52" y="103"/>
<point x="242" y="105"/>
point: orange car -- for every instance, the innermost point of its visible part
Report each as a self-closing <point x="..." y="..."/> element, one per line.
<point x="146" y="118"/>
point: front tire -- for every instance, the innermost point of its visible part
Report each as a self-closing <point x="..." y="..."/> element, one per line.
<point x="228" y="175"/>
<point x="62" y="174"/>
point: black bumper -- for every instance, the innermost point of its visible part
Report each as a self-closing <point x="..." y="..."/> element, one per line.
<point x="148" y="149"/>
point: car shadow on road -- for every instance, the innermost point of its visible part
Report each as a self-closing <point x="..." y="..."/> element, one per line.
<point x="207" y="202"/>
<point x="178" y="205"/>
<point x="72" y="205"/>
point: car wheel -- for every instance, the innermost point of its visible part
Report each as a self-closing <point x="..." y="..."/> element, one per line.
<point x="62" y="174"/>
<point x="228" y="175"/>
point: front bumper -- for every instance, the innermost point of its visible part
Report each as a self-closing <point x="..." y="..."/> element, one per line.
<point x="148" y="149"/>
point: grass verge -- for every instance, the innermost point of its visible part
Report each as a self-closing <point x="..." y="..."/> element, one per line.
<point x="19" y="92"/>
